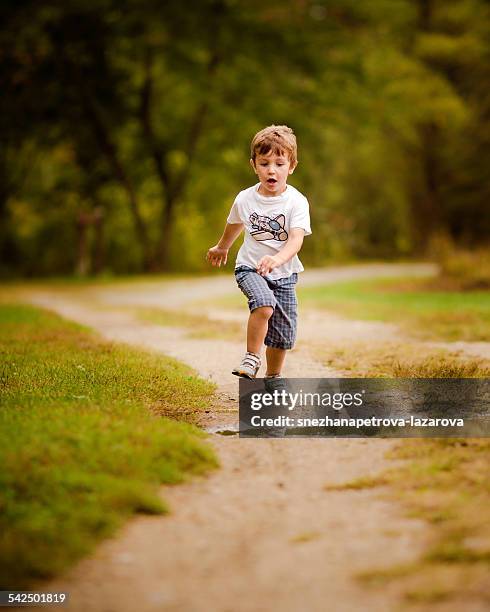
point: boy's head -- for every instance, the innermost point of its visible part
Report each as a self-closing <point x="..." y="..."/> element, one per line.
<point x="278" y="139"/>
<point x="273" y="157"/>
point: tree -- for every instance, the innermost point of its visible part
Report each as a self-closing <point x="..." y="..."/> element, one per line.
<point x="143" y="110"/>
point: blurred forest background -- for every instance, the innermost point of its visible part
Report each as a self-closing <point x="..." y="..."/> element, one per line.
<point x="125" y="126"/>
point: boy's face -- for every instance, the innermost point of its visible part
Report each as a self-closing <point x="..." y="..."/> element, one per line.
<point x="273" y="171"/>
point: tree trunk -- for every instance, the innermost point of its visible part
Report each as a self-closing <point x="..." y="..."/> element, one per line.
<point x="427" y="209"/>
<point x="108" y="148"/>
<point x="162" y="253"/>
<point x="98" y="251"/>
<point x="173" y="187"/>
<point x="83" y="257"/>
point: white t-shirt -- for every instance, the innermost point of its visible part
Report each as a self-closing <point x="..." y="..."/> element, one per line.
<point x="268" y="221"/>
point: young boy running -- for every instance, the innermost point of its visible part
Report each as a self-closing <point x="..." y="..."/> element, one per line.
<point x="276" y="218"/>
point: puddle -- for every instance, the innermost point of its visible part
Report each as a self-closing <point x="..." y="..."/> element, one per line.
<point x="226" y="432"/>
<point x="229" y="430"/>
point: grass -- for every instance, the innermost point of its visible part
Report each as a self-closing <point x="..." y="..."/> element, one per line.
<point x="199" y="326"/>
<point x="87" y="439"/>
<point x="413" y="304"/>
<point x="461" y="268"/>
<point x="305" y="536"/>
<point x="400" y="360"/>
<point x="442" y="481"/>
<point x="364" y="482"/>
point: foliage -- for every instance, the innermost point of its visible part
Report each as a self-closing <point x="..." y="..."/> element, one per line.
<point x="125" y="125"/>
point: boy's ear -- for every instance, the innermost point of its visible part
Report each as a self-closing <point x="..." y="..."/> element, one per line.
<point x="252" y="163"/>
<point x="292" y="167"/>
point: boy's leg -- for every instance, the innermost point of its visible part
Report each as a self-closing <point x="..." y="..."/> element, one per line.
<point x="261" y="302"/>
<point x="281" y="333"/>
<point x="257" y="327"/>
<point x="275" y="360"/>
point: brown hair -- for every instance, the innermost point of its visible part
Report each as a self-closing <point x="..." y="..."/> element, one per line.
<point x="276" y="138"/>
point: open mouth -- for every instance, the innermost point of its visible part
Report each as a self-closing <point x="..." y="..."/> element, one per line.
<point x="271" y="181"/>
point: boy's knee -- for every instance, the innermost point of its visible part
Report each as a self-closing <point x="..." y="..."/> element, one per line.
<point x="264" y="312"/>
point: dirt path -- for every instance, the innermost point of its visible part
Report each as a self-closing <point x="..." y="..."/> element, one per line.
<point x="262" y="533"/>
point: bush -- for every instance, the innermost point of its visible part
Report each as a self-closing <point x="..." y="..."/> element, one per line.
<point x="463" y="269"/>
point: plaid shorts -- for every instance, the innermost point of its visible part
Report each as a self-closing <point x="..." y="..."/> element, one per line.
<point x="281" y="295"/>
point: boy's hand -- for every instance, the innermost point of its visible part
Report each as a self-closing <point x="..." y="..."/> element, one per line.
<point x="217" y="256"/>
<point x="268" y="263"/>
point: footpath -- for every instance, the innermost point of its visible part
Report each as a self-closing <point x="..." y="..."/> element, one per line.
<point x="263" y="532"/>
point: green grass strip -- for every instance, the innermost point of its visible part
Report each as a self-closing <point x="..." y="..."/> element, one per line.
<point x="414" y="304"/>
<point x="84" y="442"/>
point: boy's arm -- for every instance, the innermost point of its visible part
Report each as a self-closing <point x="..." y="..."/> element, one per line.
<point x="289" y="250"/>
<point x="218" y="254"/>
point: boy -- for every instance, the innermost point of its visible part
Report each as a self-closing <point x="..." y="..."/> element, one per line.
<point x="276" y="218"/>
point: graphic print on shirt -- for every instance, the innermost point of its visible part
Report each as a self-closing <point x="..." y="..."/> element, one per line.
<point x="265" y="228"/>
